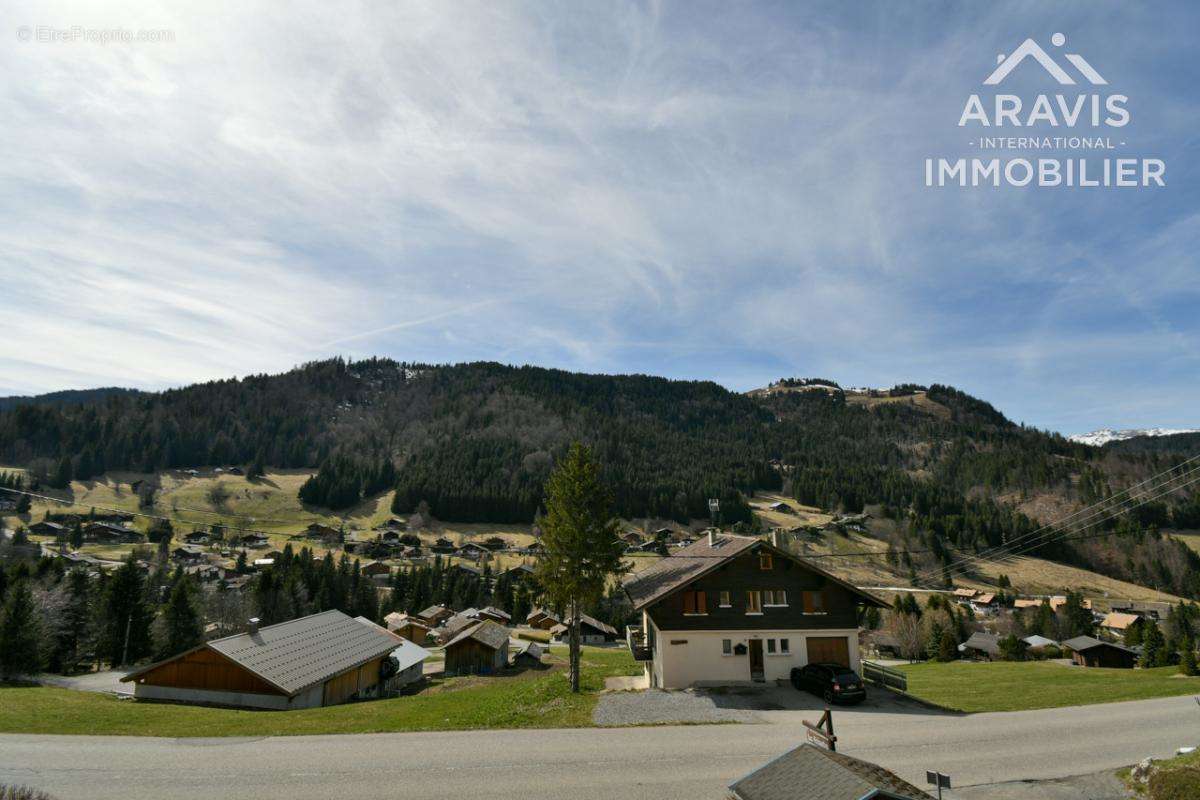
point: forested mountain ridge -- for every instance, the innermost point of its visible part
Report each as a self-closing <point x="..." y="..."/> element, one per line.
<point x="476" y="442"/>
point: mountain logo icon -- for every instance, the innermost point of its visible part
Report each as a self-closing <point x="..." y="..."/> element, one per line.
<point x="1031" y="49"/>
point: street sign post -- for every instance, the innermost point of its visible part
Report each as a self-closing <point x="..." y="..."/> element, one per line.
<point x="939" y="780"/>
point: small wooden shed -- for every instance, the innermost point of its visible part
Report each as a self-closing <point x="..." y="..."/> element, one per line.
<point x="479" y="649"/>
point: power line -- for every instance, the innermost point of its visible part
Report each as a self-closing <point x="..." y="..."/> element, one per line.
<point x="1009" y="552"/>
<point x="1054" y="527"/>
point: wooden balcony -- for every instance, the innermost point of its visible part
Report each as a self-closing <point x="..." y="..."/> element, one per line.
<point x="635" y="637"/>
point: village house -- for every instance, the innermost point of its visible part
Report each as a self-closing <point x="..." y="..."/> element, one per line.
<point x="317" y="530"/>
<point x="188" y="554"/>
<point x="964" y="595"/>
<point x="407" y="664"/>
<point x="473" y="551"/>
<point x="408" y="627"/>
<point x="494" y="614"/>
<point x="108" y="533"/>
<point x="458" y="623"/>
<point x="434" y="615"/>
<point x="45" y="528"/>
<point x="984" y="603"/>
<point x="319" y="660"/>
<point x="591" y="631"/>
<point x="1087" y="651"/>
<point x="732" y="609"/>
<point x="1023" y="603"/>
<point x="196" y="537"/>
<point x="374" y="568"/>
<point x="1117" y="623"/>
<point x="479" y="649"/>
<point x="981" y="646"/>
<point x="1036" y="642"/>
<point x="542" y="619"/>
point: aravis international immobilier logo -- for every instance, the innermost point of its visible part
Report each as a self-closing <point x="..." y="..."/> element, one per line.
<point x="1081" y="131"/>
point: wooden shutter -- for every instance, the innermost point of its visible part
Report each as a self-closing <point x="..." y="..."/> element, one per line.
<point x="701" y="603"/>
<point x="689" y="603"/>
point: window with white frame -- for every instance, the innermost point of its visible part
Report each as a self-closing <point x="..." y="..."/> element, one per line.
<point x="724" y="599"/>
<point x="726" y="647"/>
<point x="784" y="646"/>
<point x="770" y="647"/>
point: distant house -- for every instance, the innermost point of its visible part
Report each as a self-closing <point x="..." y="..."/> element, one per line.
<point x="542" y="619"/>
<point x="529" y="655"/>
<point x="965" y="595"/>
<point x="205" y="573"/>
<point x="1087" y="651"/>
<point x="1117" y="623"/>
<point x="196" y="537"/>
<point x="319" y="660"/>
<point x="188" y="554"/>
<point x="254" y="540"/>
<point x="435" y="615"/>
<point x="479" y="649"/>
<point x="494" y="614"/>
<point x="317" y="530"/>
<point x="980" y="645"/>
<point x="473" y="551"/>
<point x="984" y="603"/>
<point x="389" y="536"/>
<point x="408" y="627"/>
<point x="374" y="568"/>
<point x="591" y="631"/>
<point x="1026" y="603"/>
<point x="262" y="563"/>
<point x="107" y="533"/>
<point x="781" y="507"/>
<point x="442" y="545"/>
<point x="884" y="644"/>
<point x="632" y="538"/>
<point x="810" y="772"/>
<point x="1142" y="608"/>
<point x="44" y="528"/>
<point x="457" y="624"/>
<point x="473" y="571"/>
<point x="519" y="571"/>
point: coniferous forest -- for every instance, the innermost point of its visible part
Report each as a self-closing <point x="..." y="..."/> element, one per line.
<point x="476" y="443"/>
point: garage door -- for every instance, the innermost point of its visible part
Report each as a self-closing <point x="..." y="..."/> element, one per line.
<point x="829" y="650"/>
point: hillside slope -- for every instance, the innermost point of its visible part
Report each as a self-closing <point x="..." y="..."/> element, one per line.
<point x="476" y="442"/>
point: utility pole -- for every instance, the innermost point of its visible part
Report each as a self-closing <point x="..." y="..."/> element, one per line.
<point x="125" y="649"/>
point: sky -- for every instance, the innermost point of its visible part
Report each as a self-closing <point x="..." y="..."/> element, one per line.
<point x="724" y="191"/>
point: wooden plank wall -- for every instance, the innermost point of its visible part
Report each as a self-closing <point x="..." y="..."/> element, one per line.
<point x="207" y="669"/>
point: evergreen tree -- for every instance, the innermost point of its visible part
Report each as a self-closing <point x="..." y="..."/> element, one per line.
<point x="1154" y="646"/>
<point x="76" y="535"/>
<point x="947" y="648"/>
<point x="20" y="634"/>
<point x="1187" y="656"/>
<point x="125" y="631"/>
<point x="183" y="627"/>
<point x="580" y="539"/>
<point x="73" y="635"/>
<point x="933" y="642"/>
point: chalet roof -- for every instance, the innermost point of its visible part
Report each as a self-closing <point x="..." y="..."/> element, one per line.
<point x="1027" y="603"/>
<point x="685" y="565"/>
<point x="1081" y="643"/>
<point x="432" y="611"/>
<point x="987" y="642"/>
<point x="486" y="633"/>
<point x="1118" y="621"/>
<point x="495" y="612"/>
<point x="590" y="622"/>
<point x="968" y="593"/>
<point x="532" y="649"/>
<point x="539" y="614"/>
<point x="1038" y="641"/>
<point x="984" y="599"/>
<point x="399" y="620"/>
<point x="294" y="655"/>
<point x="409" y="654"/>
<point x="814" y="773"/>
<point x="457" y="624"/>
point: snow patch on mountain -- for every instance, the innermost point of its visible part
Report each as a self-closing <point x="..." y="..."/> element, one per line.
<point x="1106" y="435"/>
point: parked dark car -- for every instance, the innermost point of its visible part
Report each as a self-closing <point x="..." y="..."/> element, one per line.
<point x="833" y="682"/>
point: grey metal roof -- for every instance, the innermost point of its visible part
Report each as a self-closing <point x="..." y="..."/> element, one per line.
<point x="987" y="642"/>
<point x="409" y="654"/>
<point x="814" y="773"/>
<point x="1080" y="643"/>
<point x="294" y="655"/>
<point x="487" y="633"/>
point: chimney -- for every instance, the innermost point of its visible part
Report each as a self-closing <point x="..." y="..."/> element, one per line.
<point x="252" y="626"/>
<point x="712" y="537"/>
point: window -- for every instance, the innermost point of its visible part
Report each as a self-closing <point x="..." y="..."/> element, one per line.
<point x="780" y="597"/>
<point x="814" y="602"/>
<point x="724" y="600"/>
<point x="768" y="597"/>
<point x="694" y="602"/>
<point x="726" y="647"/>
<point x="770" y="646"/>
<point x="765" y="561"/>
<point x="783" y="646"/>
<point x="753" y="603"/>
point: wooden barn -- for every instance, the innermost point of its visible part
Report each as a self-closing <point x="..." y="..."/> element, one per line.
<point x="1087" y="651"/>
<point x="479" y="649"/>
<point x="408" y="627"/>
<point x="319" y="660"/>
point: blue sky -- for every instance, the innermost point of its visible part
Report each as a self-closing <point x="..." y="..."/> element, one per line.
<point x="730" y="191"/>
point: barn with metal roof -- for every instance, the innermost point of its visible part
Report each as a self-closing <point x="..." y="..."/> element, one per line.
<point x="319" y="660"/>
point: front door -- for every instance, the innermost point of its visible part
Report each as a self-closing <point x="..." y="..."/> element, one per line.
<point x="756" y="661"/>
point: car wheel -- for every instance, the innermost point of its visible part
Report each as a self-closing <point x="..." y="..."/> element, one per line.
<point x="828" y="695"/>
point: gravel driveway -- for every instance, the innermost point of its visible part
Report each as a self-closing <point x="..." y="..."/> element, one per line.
<point x="655" y="706"/>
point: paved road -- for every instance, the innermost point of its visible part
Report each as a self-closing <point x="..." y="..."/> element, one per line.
<point x="687" y="762"/>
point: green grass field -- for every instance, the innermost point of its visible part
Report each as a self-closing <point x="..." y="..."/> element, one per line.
<point x="532" y="699"/>
<point x="1019" y="686"/>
